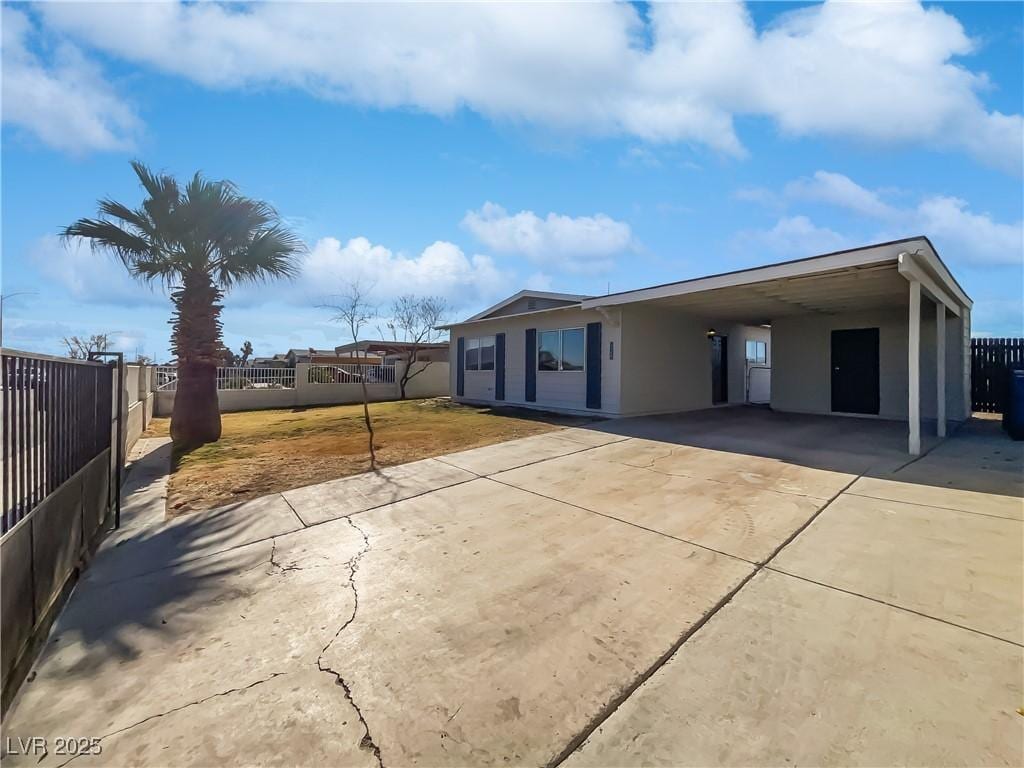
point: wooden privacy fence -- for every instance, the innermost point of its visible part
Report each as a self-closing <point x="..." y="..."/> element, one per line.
<point x="990" y="361"/>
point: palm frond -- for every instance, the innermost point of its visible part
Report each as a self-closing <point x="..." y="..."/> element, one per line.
<point x="106" y="235"/>
<point x="159" y="186"/>
<point x="163" y="266"/>
<point x="270" y="253"/>
<point x="204" y="227"/>
<point x="164" y="198"/>
<point x="138" y="220"/>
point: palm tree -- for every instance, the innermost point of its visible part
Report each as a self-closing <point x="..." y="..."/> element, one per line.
<point x="199" y="242"/>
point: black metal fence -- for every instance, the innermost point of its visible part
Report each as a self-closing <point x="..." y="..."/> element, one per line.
<point x="990" y="361"/>
<point x="57" y="417"/>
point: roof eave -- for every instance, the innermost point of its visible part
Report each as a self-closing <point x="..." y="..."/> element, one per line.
<point x="868" y="254"/>
<point x="573" y="297"/>
<point x="471" y="321"/>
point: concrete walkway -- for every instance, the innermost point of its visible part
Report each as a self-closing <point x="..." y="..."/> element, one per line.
<point x="730" y="587"/>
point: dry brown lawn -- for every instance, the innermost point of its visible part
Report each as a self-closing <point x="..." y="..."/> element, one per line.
<point x="262" y="452"/>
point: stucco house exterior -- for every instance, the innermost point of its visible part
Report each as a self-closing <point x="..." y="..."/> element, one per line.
<point x="879" y="331"/>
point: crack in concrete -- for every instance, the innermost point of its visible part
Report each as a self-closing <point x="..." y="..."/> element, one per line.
<point x="178" y="709"/>
<point x="275" y="564"/>
<point x="649" y="465"/>
<point x="367" y="741"/>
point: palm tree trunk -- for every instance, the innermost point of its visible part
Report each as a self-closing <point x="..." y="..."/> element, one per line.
<point x="196" y="416"/>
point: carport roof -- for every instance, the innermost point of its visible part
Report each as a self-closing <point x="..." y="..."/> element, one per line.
<point x="866" y="277"/>
<point x="856" y="277"/>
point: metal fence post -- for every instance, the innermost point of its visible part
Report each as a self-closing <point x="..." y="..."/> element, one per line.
<point x="119" y="448"/>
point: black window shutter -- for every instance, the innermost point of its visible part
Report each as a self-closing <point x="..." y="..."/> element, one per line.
<point x="593" y="365"/>
<point x="499" y="366"/>
<point x="460" y="367"/>
<point x="531" y="365"/>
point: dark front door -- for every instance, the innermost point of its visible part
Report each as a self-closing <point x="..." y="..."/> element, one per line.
<point x="719" y="369"/>
<point x="855" y="371"/>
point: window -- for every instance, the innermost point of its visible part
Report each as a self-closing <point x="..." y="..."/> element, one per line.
<point x="757" y="352"/>
<point x="549" y="350"/>
<point x="572" y="350"/>
<point x="562" y="350"/>
<point x="487" y="353"/>
<point x="480" y="354"/>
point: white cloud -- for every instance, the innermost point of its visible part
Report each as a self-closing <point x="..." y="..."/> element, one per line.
<point x="538" y="281"/>
<point x="837" y="189"/>
<point x="90" y="276"/>
<point x="886" y="73"/>
<point x="969" y="237"/>
<point x="960" y="234"/>
<point x="760" y="195"/>
<point x="881" y="72"/>
<point x="575" y="244"/>
<point x="442" y="269"/>
<point x="66" y="104"/>
<point x="792" y="236"/>
<point x="639" y="156"/>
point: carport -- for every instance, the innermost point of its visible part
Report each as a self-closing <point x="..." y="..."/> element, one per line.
<point x="880" y="332"/>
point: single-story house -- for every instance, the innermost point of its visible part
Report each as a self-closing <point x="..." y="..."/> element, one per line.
<point x="294" y="356"/>
<point x="279" y="360"/>
<point x="880" y="331"/>
<point x="394" y="351"/>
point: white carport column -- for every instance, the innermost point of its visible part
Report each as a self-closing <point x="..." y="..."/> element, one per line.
<point x="914" y="369"/>
<point x="940" y="367"/>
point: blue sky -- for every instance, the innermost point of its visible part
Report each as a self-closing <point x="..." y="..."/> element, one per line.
<point x="469" y="151"/>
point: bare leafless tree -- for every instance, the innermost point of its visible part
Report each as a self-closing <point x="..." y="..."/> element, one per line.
<point x="353" y="310"/>
<point x="415" y="319"/>
<point x="79" y="348"/>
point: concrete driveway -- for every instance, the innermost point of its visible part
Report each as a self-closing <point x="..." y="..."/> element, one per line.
<point x="728" y="587"/>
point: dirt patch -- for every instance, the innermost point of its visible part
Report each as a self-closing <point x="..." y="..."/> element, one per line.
<point x="262" y="452"/>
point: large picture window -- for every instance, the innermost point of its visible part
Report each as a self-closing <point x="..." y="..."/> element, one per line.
<point x="480" y="354"/>
<point x="562" y="350"/>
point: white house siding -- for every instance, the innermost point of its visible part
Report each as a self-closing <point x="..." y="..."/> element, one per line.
<point x="480" y="384"/>
<point x="666" y="360"/>
<point x="801" y="361"/>
<point x="564" y="390"/>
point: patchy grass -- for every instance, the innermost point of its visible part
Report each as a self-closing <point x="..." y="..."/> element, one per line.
<point x="263" y="452"/>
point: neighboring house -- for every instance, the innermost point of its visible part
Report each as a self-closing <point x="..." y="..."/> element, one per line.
<point x="394" y="351"/>
<point x="879" y="331"/>
<point x="277" y="361"/>
<point x="293" y="356"/>
<point x="354" y="358"/>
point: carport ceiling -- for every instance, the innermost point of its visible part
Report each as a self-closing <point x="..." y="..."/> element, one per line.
<point x="843" y="290"/>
